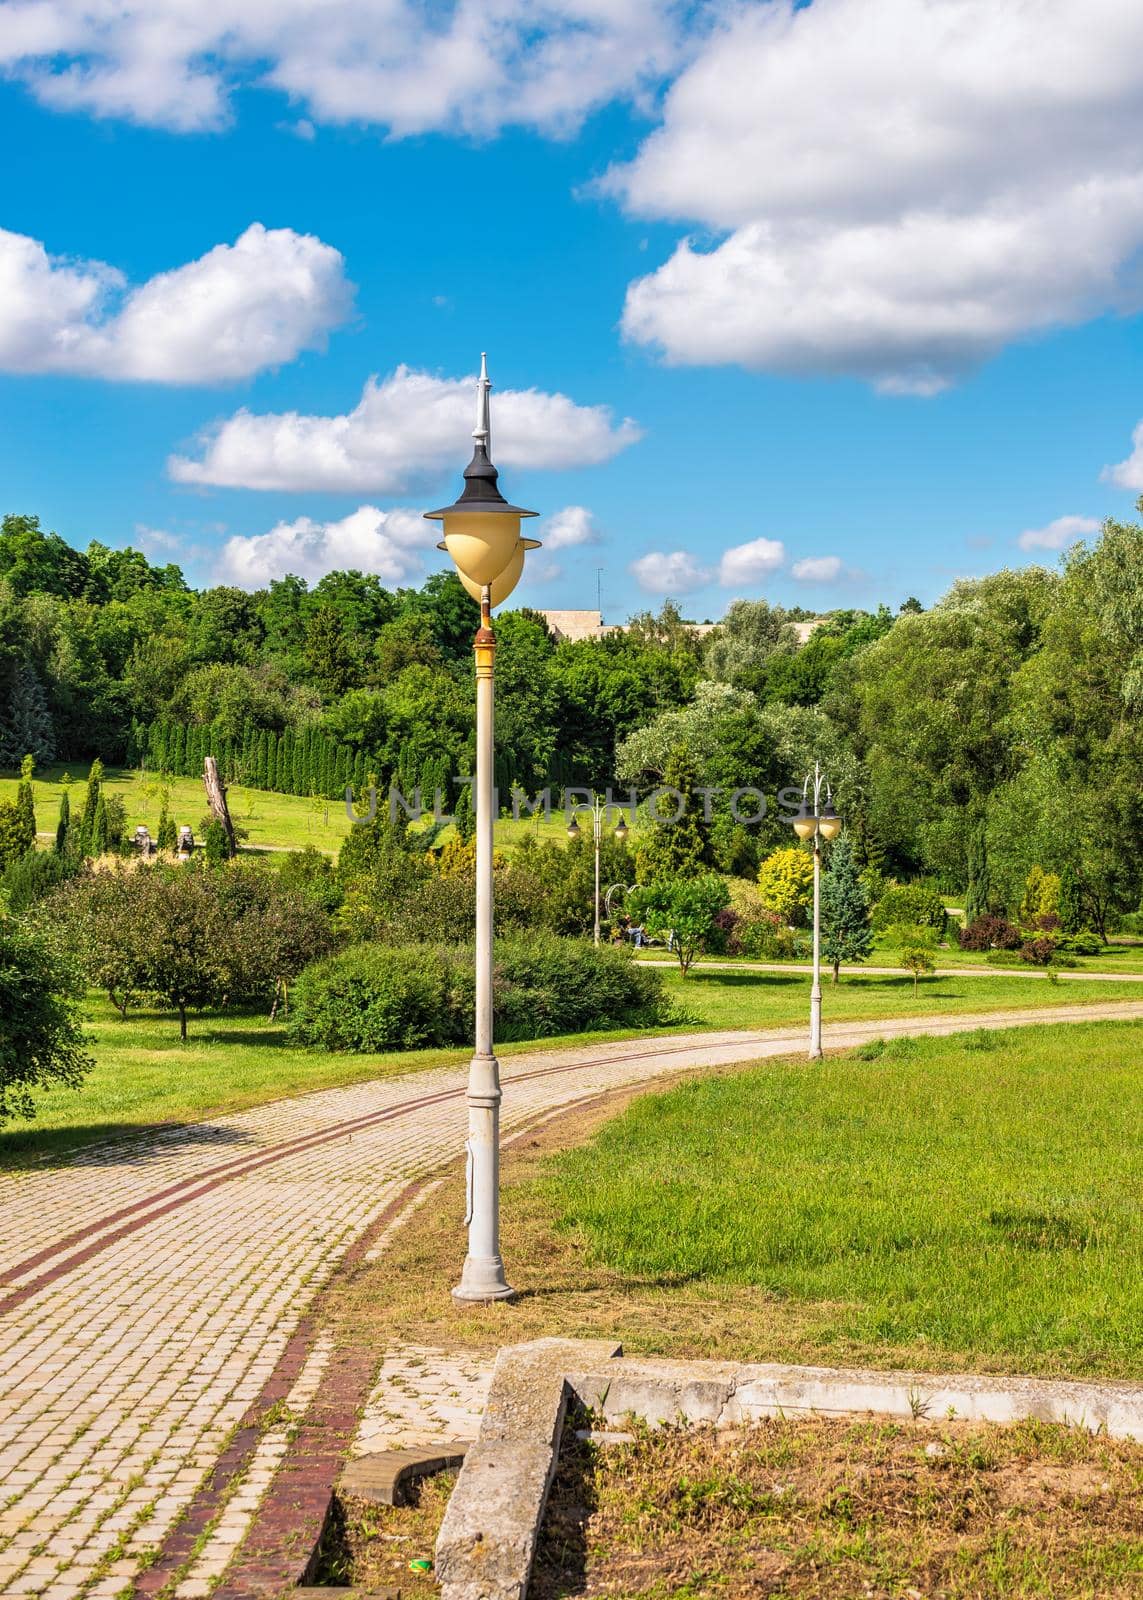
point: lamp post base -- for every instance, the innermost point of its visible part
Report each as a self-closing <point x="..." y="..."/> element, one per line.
<point x="483" y="1281"/>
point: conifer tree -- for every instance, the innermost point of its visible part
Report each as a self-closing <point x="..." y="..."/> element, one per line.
<point x="25" y="798"/>
<point x="90" y="805"/>
<point x="26" y="723"/>
<point x="99" y="828"/>
<point x="675" y="849"/>
<point x="1070" y="909"/>
<point x="63" y="826"/>
<point x="847" y="935"/>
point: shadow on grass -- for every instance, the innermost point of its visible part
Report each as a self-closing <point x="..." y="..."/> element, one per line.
<point x="112" y="1144"/>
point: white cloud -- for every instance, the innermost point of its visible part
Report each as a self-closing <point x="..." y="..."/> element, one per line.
<point x="471" y="67"/>
<point x="817" y="569"/>
<point x="750" y="563"/>
<point x="1128" y="474"/>
<point x="235" y="311"/>
<point x="1056" y="535"/>
<point x="676" y="573"/>
<point x="405" y="428"/>
<point x="907" y="186"/>
<point x="392" y="544"/>
<point x="574" y="525"/>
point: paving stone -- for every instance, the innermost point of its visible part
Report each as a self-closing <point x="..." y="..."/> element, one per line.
<point x="150" y="1285"/>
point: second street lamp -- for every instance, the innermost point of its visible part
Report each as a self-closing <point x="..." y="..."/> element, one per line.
<point x="821" y="823"/>
<point x="482" y="535"/>
<point x="599" y="810"/>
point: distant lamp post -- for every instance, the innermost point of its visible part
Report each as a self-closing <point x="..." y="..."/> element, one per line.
<point x="820" y="822"/>
<point x="599" y="810"/>
<point x="482" y="535"/>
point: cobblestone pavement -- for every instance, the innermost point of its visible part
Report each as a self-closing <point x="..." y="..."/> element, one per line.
<point x="149" y="1286"/>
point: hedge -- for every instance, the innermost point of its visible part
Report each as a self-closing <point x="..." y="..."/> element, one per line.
<point x="406" y="997"/>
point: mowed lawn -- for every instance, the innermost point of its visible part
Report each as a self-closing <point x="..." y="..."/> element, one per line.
<point x="267" y="821"/>
<point x="144" y="1076"/>
<point x="913" y="1201"/>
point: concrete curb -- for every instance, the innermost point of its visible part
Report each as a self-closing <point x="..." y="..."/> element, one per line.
<point x="487" y="1540"/>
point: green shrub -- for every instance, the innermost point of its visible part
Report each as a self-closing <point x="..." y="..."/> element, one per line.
<point x="371" y="997"/>
<point x="1131" y="922"/>
<point x="1083" y="943"/>
<point x="910" y="903"/>
<point x="405" y="997"/>
<point x="34" y="875"/>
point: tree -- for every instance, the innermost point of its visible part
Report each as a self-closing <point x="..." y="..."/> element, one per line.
<point x="41" y="1038"/>
<point x="675" y="846"/>
<point x="786" y="884"/>
<point x="682" y="910"/>
<point x="90" y="806"/>
<point x="27" y="723"/>
<point x="918" y="961"/>
<point x="26" y="802"/>
<point x="63" y="826"/>
<point x="105" y="917"/>
<point x="189" y="941"/>
<point x="845" y="908"/>
<point x="14" y="840"/>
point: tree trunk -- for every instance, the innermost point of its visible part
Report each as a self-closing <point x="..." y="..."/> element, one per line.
<point x="836" y="971"/>
<point x="216" y="798"/>
<point x="183" y="1023"/>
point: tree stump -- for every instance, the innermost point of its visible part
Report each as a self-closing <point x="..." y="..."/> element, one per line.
<point x="216" y="798"/>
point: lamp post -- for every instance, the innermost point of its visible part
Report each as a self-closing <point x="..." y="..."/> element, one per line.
<point x="482" y="535"/>
<point x="599" y="810"/>
<point x="816" y="824"/>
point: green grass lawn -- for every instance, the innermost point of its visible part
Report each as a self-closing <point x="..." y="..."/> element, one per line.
<point x="1118" y="956"/>
<point x="271" y="821"/>
<point x="143" y="1075"/>
<point x="917" y="1201"/>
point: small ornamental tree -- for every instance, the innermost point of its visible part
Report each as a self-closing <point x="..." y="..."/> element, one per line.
<point x="41" y="1039"/>
<point x="681" y="910"/>
<point x="63" y="826"/>
<point x="167" y="835"/>
<point x="14" y="841"/>
<point x="919" y="962"/>
<point x="786" y="884"/>
<point x="845" y="907"/>
<point x="90" y="806"/>
<point x="190" y="937"/>
<point x="26" y="800"/>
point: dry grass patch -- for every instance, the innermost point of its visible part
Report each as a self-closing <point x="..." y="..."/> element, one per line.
<point x="838" y="1509"/>
<point x="369" y="1547"/>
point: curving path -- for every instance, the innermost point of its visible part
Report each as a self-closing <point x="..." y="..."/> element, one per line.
<point x="149" y="1286"/>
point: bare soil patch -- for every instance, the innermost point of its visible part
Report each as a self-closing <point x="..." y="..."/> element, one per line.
<point x="837" y="1509"/>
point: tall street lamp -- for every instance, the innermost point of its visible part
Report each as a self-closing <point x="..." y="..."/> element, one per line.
<point x="817" y="824"/>
<point x="482" y="535"/>
<point x="599" y="810"/>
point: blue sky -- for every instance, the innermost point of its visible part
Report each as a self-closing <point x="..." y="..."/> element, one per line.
<point x="897" y="341"/>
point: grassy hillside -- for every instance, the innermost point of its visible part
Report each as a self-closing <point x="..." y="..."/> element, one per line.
<point x="271" y="821"/>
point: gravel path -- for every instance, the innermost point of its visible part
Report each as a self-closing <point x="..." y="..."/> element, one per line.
<point x="149" y="1286"/>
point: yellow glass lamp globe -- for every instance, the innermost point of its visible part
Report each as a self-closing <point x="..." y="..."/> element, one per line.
<point x="502" y="586"/>
<point x="805" y="827"/>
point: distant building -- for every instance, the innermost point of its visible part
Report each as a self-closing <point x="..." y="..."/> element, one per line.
<point x="576" y="625"/>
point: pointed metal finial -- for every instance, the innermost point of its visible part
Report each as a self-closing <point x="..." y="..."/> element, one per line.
<point x="482" y="433"/>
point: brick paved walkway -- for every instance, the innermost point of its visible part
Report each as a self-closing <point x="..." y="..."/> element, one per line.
<point x="149" y="1287"/>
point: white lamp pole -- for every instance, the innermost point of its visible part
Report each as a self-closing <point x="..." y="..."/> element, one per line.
<point x="598" y="812"/>
<point x="816" y="825"/>
<point x="482" y="534"/>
